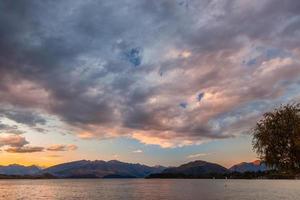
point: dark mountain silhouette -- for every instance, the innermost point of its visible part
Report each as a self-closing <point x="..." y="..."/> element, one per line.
<point x="254" y="166"/>
<point x="19" y="170"/>
<point x="195" y="169"/>
<point x="101" y="169"/>
<point x="117" y="169"/>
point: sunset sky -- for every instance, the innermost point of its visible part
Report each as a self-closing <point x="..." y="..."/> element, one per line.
<point x="148" y="81"/>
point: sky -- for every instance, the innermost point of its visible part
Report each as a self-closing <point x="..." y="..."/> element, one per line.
<point x="158" y="82"/>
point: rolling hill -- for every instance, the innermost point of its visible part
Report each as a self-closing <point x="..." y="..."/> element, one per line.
<point x="101" y="169"/>
<point x="254" y="166"/>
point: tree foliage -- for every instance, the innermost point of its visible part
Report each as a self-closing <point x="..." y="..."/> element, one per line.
<point x="276" y="138"/>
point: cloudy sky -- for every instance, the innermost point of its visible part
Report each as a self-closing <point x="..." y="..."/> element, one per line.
<point x="149" y="81"/>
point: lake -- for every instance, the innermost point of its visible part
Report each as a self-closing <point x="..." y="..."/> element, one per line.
<point x="145" y="189"/>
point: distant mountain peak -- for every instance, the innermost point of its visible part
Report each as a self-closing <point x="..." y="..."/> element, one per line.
<point x="254" y="166"/>
<point x="197" y="162"/>
<point x="114" y="161"/>
<point x="256" y="162"/>
<point x="197" y="168"/>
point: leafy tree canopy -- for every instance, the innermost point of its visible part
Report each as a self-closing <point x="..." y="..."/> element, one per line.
<point x="276" y="138"/>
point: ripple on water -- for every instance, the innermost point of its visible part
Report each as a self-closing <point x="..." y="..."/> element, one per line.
<point x="149" y="189"/>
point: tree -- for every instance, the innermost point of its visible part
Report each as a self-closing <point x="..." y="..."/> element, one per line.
<point x="276" y="138"/>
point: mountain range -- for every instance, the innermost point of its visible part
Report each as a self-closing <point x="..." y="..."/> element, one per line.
<point x="19" y="170"/>
<point x="101" y="169"/>
<point x="117" y="169"/>
<point x="254" y="166"/>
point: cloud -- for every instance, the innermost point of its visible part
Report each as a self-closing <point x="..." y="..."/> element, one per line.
<point x="13" y="129"/>
<point x="12" y="140"/>
<point x="61" y="147"/>
<point x="164" y="140"/>
<point x="24" y="149"/>
<point x="192" y="156"/>
<point x="16" y="143"/>
<point x="116" y="156"/>
<point x="138" y="151"/>
<point x="161" y="72"/>
<point x="86" y="135"/>
<point x="54" y="156"/>
<point x="22" y="116"/>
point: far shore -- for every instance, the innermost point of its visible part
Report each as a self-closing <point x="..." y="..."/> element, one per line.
<point x="232" y="176"/>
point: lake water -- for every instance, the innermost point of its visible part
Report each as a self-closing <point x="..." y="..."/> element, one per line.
<point x="145" y="189"/>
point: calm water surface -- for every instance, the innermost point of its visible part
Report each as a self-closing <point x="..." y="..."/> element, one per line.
<point x="141" y="189"/>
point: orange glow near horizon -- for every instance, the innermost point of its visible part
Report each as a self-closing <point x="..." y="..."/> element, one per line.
<point x="29" y="159"/>
<point x="47" y="160"/>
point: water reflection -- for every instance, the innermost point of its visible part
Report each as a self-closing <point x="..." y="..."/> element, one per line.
<point x="141" y="189"/>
